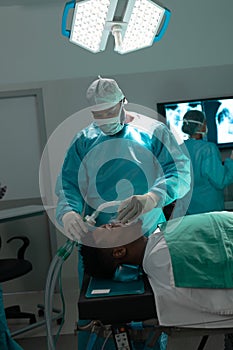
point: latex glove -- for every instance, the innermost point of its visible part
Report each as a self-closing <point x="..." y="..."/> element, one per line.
<point x="74" y="226"/>
<point x="136" y="205"/>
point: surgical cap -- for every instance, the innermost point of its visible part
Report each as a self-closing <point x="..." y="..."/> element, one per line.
<point x="104" y="93"/>
<point x="193" y="121"/>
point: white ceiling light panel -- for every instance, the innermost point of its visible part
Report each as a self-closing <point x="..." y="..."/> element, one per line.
<point x="89" y="21"/>
<point x="144" y="18"/>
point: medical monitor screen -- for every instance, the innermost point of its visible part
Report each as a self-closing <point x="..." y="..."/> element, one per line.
<point x="219" y="118"/>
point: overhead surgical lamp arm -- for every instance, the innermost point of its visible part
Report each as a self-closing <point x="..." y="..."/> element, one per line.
<point x="117" y="29"/>
<point x="167" y="15"/>
<point x="68" y="6"/>
<point x="117" y="33"/>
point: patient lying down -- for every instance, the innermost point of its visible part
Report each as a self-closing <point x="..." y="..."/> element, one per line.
<point x="189" y="264"/>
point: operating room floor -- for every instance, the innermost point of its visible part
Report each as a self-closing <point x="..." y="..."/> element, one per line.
<point x="36" y="339"/>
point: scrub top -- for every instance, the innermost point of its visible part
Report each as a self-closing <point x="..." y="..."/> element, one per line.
<point x="210" y="176"/>
<point x="100" y="168"/>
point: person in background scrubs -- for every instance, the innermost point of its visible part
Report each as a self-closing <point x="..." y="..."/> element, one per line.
<point x="210" y="176"/>
<point x="112" y="160"/>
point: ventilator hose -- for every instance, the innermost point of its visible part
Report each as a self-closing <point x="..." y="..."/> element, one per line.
<point x="54" y="270"/>
<point x="49" y="291"/>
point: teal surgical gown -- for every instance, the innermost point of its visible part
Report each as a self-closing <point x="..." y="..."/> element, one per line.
<point x="210" y="176"/>
<point x="100" y="168"/>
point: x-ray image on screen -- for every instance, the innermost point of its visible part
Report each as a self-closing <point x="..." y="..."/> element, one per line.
<point x="224" y="121"/>
<point x="174" y="116"/>
<point x="219" y="118"/>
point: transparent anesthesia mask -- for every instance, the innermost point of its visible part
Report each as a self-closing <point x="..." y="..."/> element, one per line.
<point x="111" y="234"/>
<point x="90" y="219"/>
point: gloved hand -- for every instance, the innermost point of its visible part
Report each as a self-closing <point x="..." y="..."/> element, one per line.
<point x="74" y="226"/>
<point x="136" y="205"/>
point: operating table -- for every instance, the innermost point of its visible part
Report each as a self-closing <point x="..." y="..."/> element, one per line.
<point x="132" y="316"/>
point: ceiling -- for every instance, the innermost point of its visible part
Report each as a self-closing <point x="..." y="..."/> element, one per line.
<point x="29" y="2"/>
<point x="41" y="45"/>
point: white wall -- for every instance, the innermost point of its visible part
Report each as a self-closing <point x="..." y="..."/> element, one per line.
<point x="62" y="98"/>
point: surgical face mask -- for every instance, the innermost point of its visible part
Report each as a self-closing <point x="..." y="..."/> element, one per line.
<point x="203" y="133"/>
<point x="111" y="129"/>
<point x="111" y="126"/>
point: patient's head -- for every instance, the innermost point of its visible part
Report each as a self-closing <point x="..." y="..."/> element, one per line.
<point x="98" y="262"/>
<point x="103" y="262"/>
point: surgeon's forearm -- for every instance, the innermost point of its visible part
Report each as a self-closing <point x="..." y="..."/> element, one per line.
<point x="171" y="187"/>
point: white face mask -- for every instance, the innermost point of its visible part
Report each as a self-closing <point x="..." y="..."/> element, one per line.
<point x="111" y="126"/>
<point x="106" y="121"/>
<point x="111" y="129"/>
<point x="203" y="133"/>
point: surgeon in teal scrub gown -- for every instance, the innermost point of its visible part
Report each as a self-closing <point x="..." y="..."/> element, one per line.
<point x="112" y="160"/>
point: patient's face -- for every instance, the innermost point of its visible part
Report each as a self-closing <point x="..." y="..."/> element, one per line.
<point x="112" y="225"/>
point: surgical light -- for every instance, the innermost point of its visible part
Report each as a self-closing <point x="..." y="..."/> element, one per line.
<point x="142" y="23"/>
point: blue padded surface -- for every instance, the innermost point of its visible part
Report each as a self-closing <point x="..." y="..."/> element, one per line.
<point x="118" y="308"/>
<point x="107" y="287"/>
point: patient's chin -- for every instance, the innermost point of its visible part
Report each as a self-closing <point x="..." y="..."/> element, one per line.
<point x="112" y="235"/>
